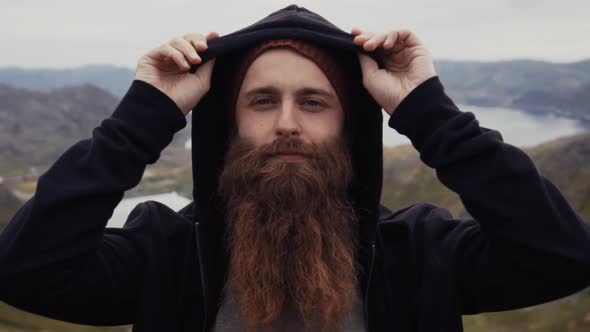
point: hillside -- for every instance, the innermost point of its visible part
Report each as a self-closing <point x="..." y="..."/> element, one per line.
<point x="37" y="127"/>
<point x="534" y="86"/>
<point x="14" y="320"/>
<point x="565" y="161"/>
<point x="115" y="80"/>
<point x="9" y="204"/>
<point x="511" y="76"/>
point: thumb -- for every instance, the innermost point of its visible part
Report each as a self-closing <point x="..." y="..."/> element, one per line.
<point x="368" y="65"/>
<point x="205" y="71"/>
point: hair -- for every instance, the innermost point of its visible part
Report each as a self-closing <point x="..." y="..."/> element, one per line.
<point x="291" y="232"/>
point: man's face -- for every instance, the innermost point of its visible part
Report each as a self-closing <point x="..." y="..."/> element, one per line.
<point x="285" y="184"/>
<point x="285" y="94"/>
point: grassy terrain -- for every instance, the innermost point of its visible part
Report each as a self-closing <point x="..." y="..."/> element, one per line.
<point x="14" y="320"/>
<point x="571" y="314"/>
<point x="566" y="162"/>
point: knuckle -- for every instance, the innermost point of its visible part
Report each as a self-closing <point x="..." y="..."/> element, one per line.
<point x="193" y="36"/>
<point x="175" y="41"/>
<point x="179" y="55"/>
<point x="198" y="36"/>
<point x="164" y="49"/>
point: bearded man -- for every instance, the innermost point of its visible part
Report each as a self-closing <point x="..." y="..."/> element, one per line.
<point x="286" y="230"/>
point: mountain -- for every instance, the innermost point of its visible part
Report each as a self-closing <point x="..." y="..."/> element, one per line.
<point x="115" y="80"/>
<point x="565" y="161"/>
<point x="9" y="204"/>
<point x="561" y="89"/>
<point x="37" y="127"/>
<point x="574" y="103"/>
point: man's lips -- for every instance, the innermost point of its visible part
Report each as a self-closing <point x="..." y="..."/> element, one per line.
<point x="290" y="157"/>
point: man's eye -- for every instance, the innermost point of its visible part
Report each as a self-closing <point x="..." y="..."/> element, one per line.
<point x="314" y="104"/>
<point x="262" y="101"/>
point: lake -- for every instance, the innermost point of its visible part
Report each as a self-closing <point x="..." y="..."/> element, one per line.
<point x="172" y="200"/>
<point x="517" y="127"/>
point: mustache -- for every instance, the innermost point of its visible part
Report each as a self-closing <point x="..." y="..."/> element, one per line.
<point x="289" y="146"/>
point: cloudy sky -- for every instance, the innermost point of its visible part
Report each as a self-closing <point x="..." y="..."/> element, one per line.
<point x="70" y="33"/>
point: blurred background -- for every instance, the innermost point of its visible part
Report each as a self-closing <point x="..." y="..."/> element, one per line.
<point x="521" y="66"/>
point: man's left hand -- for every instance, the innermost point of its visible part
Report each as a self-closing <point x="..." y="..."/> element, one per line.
<point x="407" y="63"/>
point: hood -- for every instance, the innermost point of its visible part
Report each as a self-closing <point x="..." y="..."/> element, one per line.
<point x="210" y="127"/>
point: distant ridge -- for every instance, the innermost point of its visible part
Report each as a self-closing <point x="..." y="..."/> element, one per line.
<point x="37" y="127"/>
<point x="562" y="89"/>
<point x="115" y="80"/>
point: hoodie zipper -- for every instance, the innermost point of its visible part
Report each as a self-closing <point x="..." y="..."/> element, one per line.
<point x="366" y="299"/>
<point x="202" y="273"/>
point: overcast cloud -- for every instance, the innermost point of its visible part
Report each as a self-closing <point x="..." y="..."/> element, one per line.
<point x="69" y="33"/>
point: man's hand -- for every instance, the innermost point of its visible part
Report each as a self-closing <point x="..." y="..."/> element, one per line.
<point x="407" y="64"/>
<point x="167" y="68"/>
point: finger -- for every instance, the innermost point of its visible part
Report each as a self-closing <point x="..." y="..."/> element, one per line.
<point x="388" y="43"/>
<point x="177" y="57"/>
<point x="374" y="42"/>
<point x="356" y="31"/>
<point x="408" y="38"/>
<point x="363" y="37"/>
<point x="186" y="48"/>
<point x="197" y="40"/>
<point x="212" y="35"/>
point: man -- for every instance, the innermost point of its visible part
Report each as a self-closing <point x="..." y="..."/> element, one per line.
<point x="286" y="231"/>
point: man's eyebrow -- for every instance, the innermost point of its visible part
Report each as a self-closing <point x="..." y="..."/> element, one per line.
<point x="303" y="91"/>
<point x="314" y="91"/>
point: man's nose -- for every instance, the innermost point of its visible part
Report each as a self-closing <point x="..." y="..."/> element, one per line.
<point x="287" y="123"/>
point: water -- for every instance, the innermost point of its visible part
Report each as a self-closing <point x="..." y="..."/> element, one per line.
<point x="172" y="199"/>
<point x="517" y="127"/>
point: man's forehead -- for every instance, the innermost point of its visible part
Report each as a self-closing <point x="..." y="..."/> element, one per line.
<point x="267" y="89"/>
<point x="279" y="66"/>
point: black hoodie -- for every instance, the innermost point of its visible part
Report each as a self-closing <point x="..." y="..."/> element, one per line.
<point x="421" y="269"/>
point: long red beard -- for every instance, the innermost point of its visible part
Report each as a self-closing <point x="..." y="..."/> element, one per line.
<point x="291" y="233"/>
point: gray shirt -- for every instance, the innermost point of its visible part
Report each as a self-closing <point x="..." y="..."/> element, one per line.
<point x="228" y="319"/>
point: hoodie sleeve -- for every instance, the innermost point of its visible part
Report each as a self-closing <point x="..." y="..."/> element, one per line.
<point x="525" y="244"/>
<point x="56" y="259"/>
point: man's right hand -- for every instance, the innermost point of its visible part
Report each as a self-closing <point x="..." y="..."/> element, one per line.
<point x="167" y="68"/>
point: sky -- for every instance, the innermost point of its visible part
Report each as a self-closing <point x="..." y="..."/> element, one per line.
<point x="71" y="33"/>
